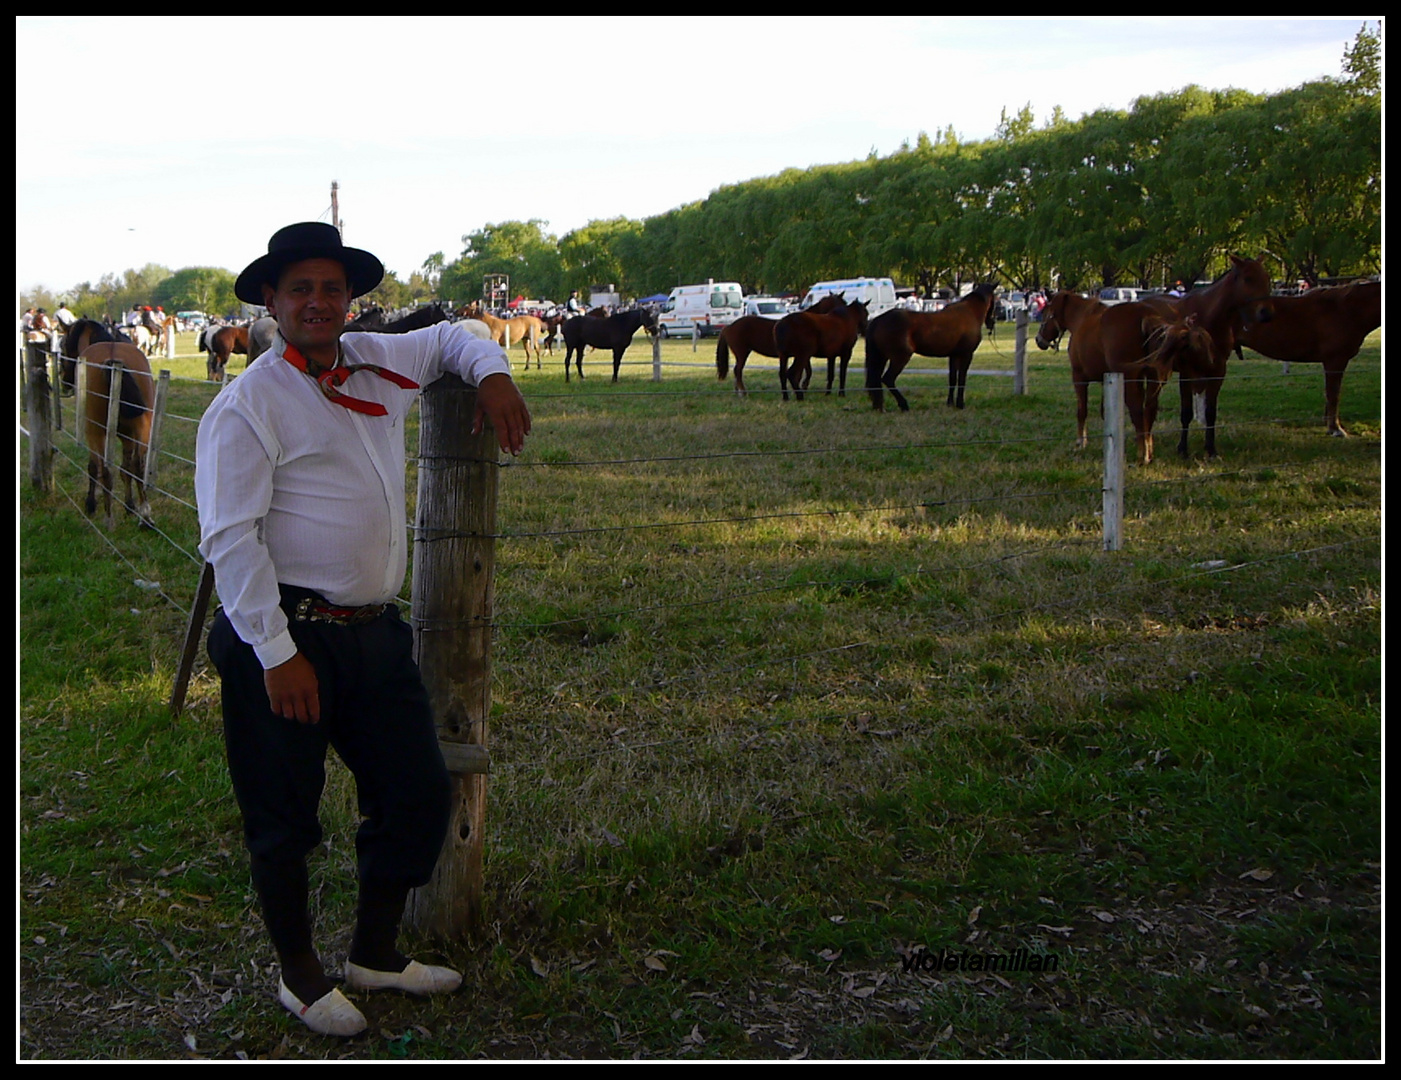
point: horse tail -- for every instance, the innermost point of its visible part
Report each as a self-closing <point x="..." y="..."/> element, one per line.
<point x="722" y="357"/>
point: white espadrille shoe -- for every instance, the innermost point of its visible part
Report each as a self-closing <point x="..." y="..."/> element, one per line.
<point x="417" y="978"/>
<point x="330" y="1014"/>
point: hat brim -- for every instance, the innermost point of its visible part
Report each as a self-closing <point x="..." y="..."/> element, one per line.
<point x="363" y="272"/>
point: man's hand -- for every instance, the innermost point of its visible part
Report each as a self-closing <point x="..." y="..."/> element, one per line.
<point x="293" y="691"/>
<point x="499" y="401"/>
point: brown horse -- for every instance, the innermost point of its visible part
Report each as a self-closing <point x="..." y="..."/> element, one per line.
<point x="133" y="423"/>
<point x="80" y="335"/>
<point x="803" y="335"/>
<point x="1240" y="295"/>
<point x="526" y="329"/>
<point x="955" y="332"/>
<point x="754" y="334"/>
<point x="1323" y="326"/>
<point x="1141" y="342"/>
<point x="221" y="344"/>
<point x="552" y="324"/>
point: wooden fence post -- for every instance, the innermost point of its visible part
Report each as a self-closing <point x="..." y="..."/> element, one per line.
<point x="112" y="443"/>
<point x="37" y="418"/>
<point x="656" y="357"/>
<point x="153" y="447"/>
<point x="1019" y="363"/>
<point x="453" y="596"/>
<point x="1113" y="461"/>
<point x="57" y="383"/>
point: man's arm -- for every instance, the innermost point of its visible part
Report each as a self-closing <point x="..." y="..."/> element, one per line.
<point x="499" y="401"/>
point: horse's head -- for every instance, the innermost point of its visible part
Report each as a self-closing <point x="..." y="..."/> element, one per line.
<point x="1251" y="290"/>
<point x="1052" y="322"/>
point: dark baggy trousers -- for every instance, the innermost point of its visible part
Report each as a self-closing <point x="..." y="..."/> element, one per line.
<point x="374" y="712"/>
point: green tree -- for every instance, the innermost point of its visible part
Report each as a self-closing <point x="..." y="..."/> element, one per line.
<point x="197" y="288"/>
<point x="1362" y="61"/>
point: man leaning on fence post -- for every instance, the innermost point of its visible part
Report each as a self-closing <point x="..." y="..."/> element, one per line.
<point x="300" y="483"/>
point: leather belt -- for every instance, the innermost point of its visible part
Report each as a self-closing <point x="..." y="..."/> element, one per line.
<point x="313" y="609"/>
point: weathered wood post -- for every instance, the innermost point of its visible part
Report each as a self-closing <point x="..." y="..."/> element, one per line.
<point x="1113" y="461"/>
<point x="656" y="355"/>
<point x="37" y="403"/>
<point x="453" y="596"/>
<point x="1019" y="363"/>
<point x="112" y="443"/>
<point x="153" y="447"/>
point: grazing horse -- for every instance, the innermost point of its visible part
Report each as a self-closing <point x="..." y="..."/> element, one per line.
<point x="222" y="343"/>
<point x="526" y="329"/>
<point x="133" y="423"/>
<point x="955" y="331"/>
<point x="754" y="334"/>
<point x="804" y="335"/>
<point x="1140" y="342"/>
<point x="1240" y="296"/>
<point x="1323" y="326"/>
<point x="615" y="332"/>
<point x="80" y="335"/>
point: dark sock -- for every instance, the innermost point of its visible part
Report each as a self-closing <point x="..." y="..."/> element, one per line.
<point x="378" y="913"/>
<point x="282" y="893"/>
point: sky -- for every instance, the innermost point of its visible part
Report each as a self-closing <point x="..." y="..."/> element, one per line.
<point x="189" y="141"/>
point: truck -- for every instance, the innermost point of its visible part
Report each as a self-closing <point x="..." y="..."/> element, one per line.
<point x="707" y="308"/>
<point x="878" y="293"/>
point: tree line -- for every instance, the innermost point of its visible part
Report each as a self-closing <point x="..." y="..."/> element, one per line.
<point x="1147" y="197"/>
<point x="1158" y="194"/>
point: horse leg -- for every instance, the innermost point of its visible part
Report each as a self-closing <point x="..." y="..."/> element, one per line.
<point x="134" y="466"/>
<point x="1082" y="412"/>
<point x="1136" y="401"/>
<point x="740" y="358"/>
<point x="958" y="370"/>
<point x="1209" y="420"/>
<point x="841" y="389"/>
<point x="891" y="374"/>
<point x="618" y="360"/>
<point x="1332" y="388"/>
<point x="783" y="376"/>
<point x="1186" y="389"/>
<point x="831" y="373"/>
<point x="802" y="375"/>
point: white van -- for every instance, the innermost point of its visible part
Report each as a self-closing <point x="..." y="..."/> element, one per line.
<point x="878" y="293"/>
<point x="709" y="308"/>
<point x="766" y="307"/>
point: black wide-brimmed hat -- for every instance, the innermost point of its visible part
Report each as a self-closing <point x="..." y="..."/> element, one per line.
<point x="308" y="240"/>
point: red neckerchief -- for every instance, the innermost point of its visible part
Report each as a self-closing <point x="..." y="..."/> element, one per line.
<point x="331" y="379"/>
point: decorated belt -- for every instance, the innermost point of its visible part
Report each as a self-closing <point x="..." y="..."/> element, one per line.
<point x="311" y="609"/>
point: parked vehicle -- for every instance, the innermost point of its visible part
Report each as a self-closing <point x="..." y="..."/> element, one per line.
<point x="766" y="307"/>
<point x="878" y="293"/>
<point x="707" y="308"/>
<point x="1119" y="296"/>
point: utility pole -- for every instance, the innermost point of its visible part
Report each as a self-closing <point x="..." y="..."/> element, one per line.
<point x="335" y="206"/>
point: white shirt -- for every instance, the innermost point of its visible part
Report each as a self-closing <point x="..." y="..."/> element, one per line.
<point x="295" y="489"/>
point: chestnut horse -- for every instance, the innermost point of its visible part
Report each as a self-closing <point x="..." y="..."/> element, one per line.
<point x="1240" y="296"/>
<point x="615" y="332"/>
<point x="754" y="334"/>
<point x="955" y="332"/>
<point x="133" y="422"/>
<point x="804" y="335"/>
<point x="222" y="343"/>
<point x="1136" y="340"/>
<point x="79" y="336"/>
<point x="1323" y="326"/>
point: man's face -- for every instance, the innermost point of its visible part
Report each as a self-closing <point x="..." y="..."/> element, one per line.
<point x="310" y="305"/>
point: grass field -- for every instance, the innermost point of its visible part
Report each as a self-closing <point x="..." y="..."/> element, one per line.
<point x="792" y="703"/>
